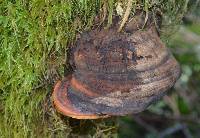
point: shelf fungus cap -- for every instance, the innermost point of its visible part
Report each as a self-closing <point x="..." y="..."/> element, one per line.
<point x="115" y="74"/>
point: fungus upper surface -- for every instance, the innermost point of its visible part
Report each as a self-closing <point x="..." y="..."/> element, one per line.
<point x="116" y="73"/>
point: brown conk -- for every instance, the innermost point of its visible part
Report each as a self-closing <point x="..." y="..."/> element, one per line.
<point x="116" y="73"/>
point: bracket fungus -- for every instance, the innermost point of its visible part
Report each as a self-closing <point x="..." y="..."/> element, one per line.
<point x="116" y="73"/>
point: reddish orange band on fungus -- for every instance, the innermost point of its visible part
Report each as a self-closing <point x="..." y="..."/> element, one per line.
<point x="61" y="94"/>
<point x="82" y="88"/>
<point x="63" y="105"/>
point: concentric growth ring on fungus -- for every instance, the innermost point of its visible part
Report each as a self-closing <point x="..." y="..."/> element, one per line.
<point x="116" y="73"/>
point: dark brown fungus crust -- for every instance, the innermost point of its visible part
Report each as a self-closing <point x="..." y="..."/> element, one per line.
<point x="116" y="73"/>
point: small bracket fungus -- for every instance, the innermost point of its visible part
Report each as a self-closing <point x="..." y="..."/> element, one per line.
<point x="116" y="73"/>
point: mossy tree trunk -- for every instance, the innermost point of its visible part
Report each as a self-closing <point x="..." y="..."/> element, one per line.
<point x="35" y="38"/>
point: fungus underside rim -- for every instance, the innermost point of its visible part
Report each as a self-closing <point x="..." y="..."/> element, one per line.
<point x="65" y="111"/>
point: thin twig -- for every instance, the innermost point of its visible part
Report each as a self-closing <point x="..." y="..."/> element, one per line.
<point x="104" y="8"/>
<point x="191" y="119"/>
<point x="126" y="15"/>
<point x="174" y="129"/>
<point x="170" y="130"/>
<point x="144" y="124"/>
<point x="171" y="101"/>
<point x="187" y="133"/>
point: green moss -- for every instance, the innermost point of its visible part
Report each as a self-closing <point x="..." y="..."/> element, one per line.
<point x="34" y="38"/>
